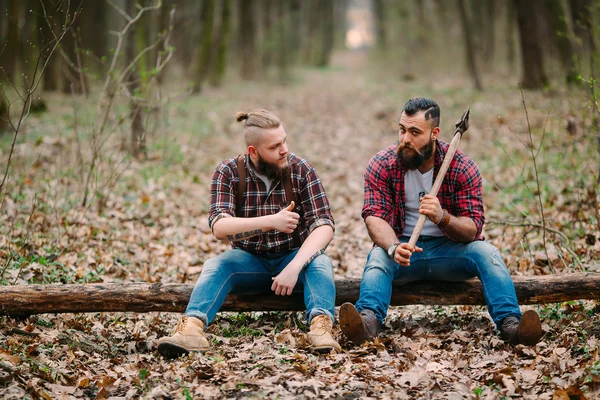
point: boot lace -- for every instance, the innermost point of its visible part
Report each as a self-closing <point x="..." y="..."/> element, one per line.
<point x="321" y="322"/>
<point x="181" y="325"/>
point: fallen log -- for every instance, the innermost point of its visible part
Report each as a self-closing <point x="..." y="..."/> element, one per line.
<point x="171" y="297"/>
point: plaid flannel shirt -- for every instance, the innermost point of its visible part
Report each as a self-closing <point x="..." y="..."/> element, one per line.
<point x="460" y="192"/>
<point x="314" y="207"/>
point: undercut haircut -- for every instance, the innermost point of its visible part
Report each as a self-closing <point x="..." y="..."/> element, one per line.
<point x="418" y="104"/>
<point x="254" y="122"/>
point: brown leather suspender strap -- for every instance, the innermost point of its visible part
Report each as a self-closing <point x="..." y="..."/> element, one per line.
<point x="289" y="192"/>
<point x="241" y="189"/>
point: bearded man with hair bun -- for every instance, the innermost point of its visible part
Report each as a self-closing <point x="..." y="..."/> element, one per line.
<point x="277" y="242"/>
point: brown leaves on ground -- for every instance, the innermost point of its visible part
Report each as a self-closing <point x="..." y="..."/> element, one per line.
<point x="450" y="352"/>
<point x="153" y="229"/>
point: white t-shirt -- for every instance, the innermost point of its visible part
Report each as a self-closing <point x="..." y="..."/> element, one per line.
<point x="417" y="185"/>
<point x="266" y="180"/>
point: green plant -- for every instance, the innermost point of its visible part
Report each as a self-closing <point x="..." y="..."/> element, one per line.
<point x="241" y="331"/>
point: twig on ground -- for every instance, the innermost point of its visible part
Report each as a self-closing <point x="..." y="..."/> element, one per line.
<point x="554" y="231"/>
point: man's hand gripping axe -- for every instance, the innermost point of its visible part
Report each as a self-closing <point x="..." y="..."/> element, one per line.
<point x="461" y="126"/>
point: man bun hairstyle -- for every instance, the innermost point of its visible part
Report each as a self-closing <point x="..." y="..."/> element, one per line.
<point x="241" y="116"/>
<point x="254" y="122"/>
<point x="263" y="119"/>
<point x="418" y="104"/>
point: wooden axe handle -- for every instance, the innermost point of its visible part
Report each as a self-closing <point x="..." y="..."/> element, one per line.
<point x="436" y="185"/>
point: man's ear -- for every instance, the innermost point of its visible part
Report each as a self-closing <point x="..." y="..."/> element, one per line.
<point x="435" y="132"/>
<point x="252" y="151"/>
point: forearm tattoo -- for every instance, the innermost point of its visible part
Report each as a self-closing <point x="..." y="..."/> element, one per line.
<point x="317" y="254"/>
<point x="244" y="235"/>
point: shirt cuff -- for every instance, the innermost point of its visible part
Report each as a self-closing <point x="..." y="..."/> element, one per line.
<point x="321" y="222"/>
<point x="215" y="219"/>
<point x="375" y="213"/>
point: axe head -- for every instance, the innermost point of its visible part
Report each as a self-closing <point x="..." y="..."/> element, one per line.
<point x="463" y="123"/>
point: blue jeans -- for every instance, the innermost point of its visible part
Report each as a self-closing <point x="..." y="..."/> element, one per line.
<point x="238" y="271"/>
<point x="443" y="260"/>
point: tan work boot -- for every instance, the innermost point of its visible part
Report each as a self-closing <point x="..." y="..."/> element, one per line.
<point x="188" y="336"/>
<point x="320" y="336"/>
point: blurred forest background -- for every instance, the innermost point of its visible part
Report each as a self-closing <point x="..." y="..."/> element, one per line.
<point x="114" y="114"/>
<point x="78" y="47"/>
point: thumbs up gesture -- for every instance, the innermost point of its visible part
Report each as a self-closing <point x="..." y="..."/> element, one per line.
<point x="286" y="220"/>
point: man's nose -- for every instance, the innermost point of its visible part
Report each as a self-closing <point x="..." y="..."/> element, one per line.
<point x="284" y="148"/>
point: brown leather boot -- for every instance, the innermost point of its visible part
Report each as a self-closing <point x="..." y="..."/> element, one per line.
<point x="321" y="339"/>
<point x="188" y="336"/>
<point x="358" y="327"/>
<point x="528" y="331"/>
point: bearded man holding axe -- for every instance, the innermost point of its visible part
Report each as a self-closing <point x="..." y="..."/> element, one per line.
<point x="423" y="208"/>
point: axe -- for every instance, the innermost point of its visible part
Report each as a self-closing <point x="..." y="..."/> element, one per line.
<point x="461" y="126"/>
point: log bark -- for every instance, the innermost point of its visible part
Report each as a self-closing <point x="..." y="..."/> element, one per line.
<point x="142" y="297"/>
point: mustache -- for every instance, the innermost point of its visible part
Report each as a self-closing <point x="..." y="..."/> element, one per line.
<point x="403" y="146"/>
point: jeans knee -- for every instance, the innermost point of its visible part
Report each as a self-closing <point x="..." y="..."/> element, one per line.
<point x="212" y="267"/>
<point x="321" y="264"/>
<point x="379" y="262"/>
<point x="214" y="270"/>
<point x="487" y="256"/>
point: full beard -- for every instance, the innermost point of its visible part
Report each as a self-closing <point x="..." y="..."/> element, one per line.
<point x="272" y="170"/>
<point x="411" y="158"/>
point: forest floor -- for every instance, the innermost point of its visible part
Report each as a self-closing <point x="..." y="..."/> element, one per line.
<point x="149" y="224"/>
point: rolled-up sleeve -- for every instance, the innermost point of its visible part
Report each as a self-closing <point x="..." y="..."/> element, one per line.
<point x="377" y="192"/>
<point x="317" y="211"/>
<point x="468" y="196"/>
<point x="222" y="196"/>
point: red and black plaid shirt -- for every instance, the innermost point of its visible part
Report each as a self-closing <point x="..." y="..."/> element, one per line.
<point x="460" y="192"/>
<point x="314" y="207"/>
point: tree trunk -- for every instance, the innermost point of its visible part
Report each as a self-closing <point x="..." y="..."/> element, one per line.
<point x="326" y="34"/>
<point x="138" y="136"/>
<point x="142" y="297"/>
<point x="560" y="30"/>
<point x="247" y="39"/>
<point x="10" y="45"/>
<point x="310" y="36"/>
<point x="469" y="46"/>
<point x="379" y="13"/>
<point x="72" y="68"/>
<point x="422" y="24"/>
<point x="511" y="17"/>
<point x="283" y="41"/>
<point x="163" y="27"/>
<point x="50" y="26"/>
<point x="581" y="13"/>
<point x="339" y="22"/>
<point x="8" y="58"/>
<point x="32" y="55"/>
<point x="268" y="39"/>
<point x="94" y="31"/>
<point x="298" y="35"/>
<point x="203" y="52"/>
<point x="4" y="118"/>
<point x="489" y="31"/>
<point x="534" y="76"/>
<point x="142" y="39"/>
<point x="222" y="45"/>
